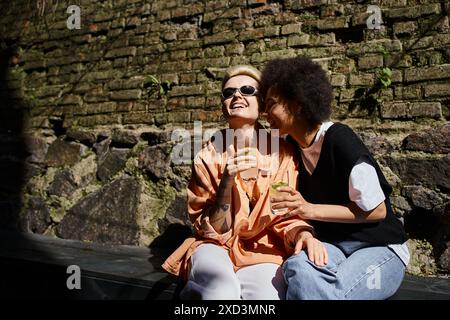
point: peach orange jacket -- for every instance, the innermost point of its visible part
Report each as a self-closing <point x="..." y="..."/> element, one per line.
<point x="258" y="236"/>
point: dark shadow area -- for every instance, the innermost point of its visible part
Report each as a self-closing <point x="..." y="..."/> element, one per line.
<point x="355" y="34"/>
<point x="24" y="279"/>
<point x="433" y="229"/>
<point x="172" y="237"/>
<point x="365" y="99"/>
<point x="161" y="248"/>
<point x="420" y="228"/>
<point x="13" y="150"/>
<point x="20" y="279"/>
<point x="106" y="272"/>
<point x="423" y="288"/>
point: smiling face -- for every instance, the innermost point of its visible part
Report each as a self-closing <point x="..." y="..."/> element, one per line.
<point x="239" y="109"/>
<point x="277" y="112"/>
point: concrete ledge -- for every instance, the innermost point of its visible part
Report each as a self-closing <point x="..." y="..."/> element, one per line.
<point x="423" y="288"/>
<point x="35" y="267"/>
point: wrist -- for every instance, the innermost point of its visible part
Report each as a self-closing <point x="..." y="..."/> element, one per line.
<point x="306" y="233"/>
<point x="315" y="212"/>
<point x="302" y="234"/>
<point x="217" y="217"/>
<point x="227" y="179"/>
<point x="311" y="212"/>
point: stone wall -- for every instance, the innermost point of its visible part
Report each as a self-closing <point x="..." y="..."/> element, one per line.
<point x="88" y="113"/>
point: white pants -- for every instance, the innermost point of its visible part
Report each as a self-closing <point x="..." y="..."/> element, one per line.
<point x="212" y="277"/>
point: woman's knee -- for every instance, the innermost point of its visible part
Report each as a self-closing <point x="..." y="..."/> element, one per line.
<point x="211" y="275"/>
<point x="305" y="281"/>
<point x="214" y="277"/>
<point x="213" y="283"/>
<point x="210" y="259"/>
<point x="296" y="265"/>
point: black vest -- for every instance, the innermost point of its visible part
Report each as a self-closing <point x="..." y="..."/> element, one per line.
<point x="328" y="184"/>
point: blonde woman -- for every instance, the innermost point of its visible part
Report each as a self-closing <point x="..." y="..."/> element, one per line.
<point x="239" y="243"/>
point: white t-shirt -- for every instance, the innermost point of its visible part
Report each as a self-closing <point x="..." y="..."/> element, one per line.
<point x="364" y="187"/>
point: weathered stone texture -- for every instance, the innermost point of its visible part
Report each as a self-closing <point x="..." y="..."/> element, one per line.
<point x="155" y="161"/>
<point x="106" y="216"/>
<point x="434" y="140"/>
<point x="63" y="184"/>
<point x="64" y="153"/>
<point x="430" y="172"/>
<point x="111" y="163"/>
<point x="37" y="216"/>
<point x="377" y="145"/>
<point x="422" y="197"/>
<point x="37" y="147"/>
<point x="430" y="73"/>
<point x="407" y="110"/>
<point x="82" y="136"/>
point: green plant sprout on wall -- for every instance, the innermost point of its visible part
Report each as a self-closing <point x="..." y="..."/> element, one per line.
<point x="385" y="76"/>
<point x="157" y="86"/>
<point x="372" y="98"/>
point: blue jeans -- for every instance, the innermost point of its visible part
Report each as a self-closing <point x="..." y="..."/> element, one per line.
<point x="354" y="271"/>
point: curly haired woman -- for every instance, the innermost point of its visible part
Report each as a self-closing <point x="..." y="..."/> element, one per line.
<point x="341" y="191"/>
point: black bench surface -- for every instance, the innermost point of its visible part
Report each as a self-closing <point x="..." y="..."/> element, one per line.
<point x="35" y="266"/>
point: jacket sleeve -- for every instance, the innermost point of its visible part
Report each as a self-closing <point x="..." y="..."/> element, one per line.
<point x="287" y="230"/>
<point x="201" y="194"/>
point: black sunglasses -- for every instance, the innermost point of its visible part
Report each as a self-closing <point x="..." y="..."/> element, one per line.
<point x="227" y="93"/>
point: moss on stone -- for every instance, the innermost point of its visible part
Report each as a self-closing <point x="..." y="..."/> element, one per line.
<point x="16" y="73"/>
<point x="132" y="167"/>
<point x="57" y="213"/>
<point x="39" y="184"/>
<point x="422" y="261"/>
<point x="85" y="168"/>
<point x="154" y="202"/>
<point x="391" y="178"/>
<point x="137" y="148"/>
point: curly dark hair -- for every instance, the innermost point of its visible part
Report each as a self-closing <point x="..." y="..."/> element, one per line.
<point x="303" y="84"/>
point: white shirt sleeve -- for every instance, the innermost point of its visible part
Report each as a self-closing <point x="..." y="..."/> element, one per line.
<point x="364" y="186"/>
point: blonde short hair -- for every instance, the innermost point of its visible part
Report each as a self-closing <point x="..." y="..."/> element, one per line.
<point x="244" y="70"/>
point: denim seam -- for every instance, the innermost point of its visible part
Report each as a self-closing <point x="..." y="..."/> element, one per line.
<point x="366" y="273"/>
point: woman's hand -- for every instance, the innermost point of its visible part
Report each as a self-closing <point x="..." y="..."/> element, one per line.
<point x="294" y="202"/>
<point x="315" y="249"/>
<point x="238" y="161"/>
<point x="348" y="213"/>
